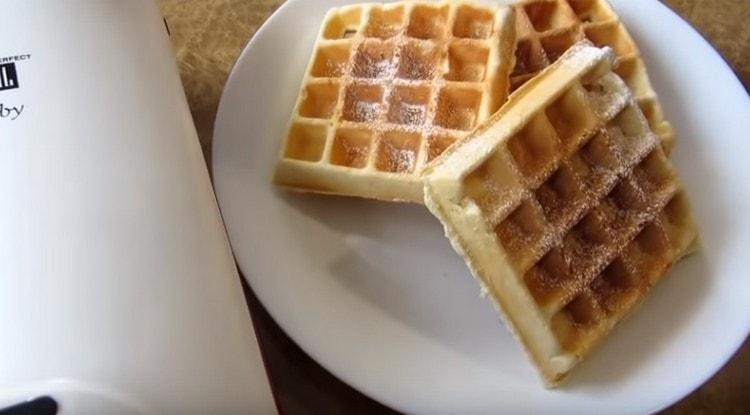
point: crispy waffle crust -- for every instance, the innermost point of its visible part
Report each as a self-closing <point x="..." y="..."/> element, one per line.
<point x="546" y="28"/>
<point x="388" y="88"/>
<point x="564" y="206"/>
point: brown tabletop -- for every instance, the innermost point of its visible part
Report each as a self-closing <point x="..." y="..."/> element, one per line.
<point x="209" y="35"/>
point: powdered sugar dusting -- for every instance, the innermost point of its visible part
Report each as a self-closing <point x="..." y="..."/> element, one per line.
<point x="364" y="111"/>
<point x="397" y="159"/>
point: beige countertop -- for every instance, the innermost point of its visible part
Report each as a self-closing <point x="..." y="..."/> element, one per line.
<point x="208" y="35"/>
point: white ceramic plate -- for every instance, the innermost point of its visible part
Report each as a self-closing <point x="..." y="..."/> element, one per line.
<point x="374" y="292"/>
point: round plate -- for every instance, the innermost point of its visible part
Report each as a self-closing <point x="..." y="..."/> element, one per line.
<point x="374" y="292"/>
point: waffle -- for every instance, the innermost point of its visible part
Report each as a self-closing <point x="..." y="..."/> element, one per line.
<point x="546" y="28"/>
<point x="564" y="206"/>
<point x="388" y="88"/>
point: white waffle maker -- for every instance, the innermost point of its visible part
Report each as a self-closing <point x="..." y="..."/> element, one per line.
<point x="118" y="291"/>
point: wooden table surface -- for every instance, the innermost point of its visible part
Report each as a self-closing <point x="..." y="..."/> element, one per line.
<point x="208" y="35"/>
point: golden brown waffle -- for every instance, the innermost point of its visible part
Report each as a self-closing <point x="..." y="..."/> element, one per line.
<point x="388" y="88"/>
<point x="564" y="206"/>
<point x="546" y="28"/>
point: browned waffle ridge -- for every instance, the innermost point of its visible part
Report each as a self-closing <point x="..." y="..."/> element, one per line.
<point x="388" y="88"/>
<point x="564" y="206"/>
<point x="546" y="28"/>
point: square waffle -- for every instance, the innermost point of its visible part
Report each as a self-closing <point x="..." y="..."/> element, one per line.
<point x="564" y="206"/>
<point x="546" y="28"/>
<point x="388" y="88"/>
